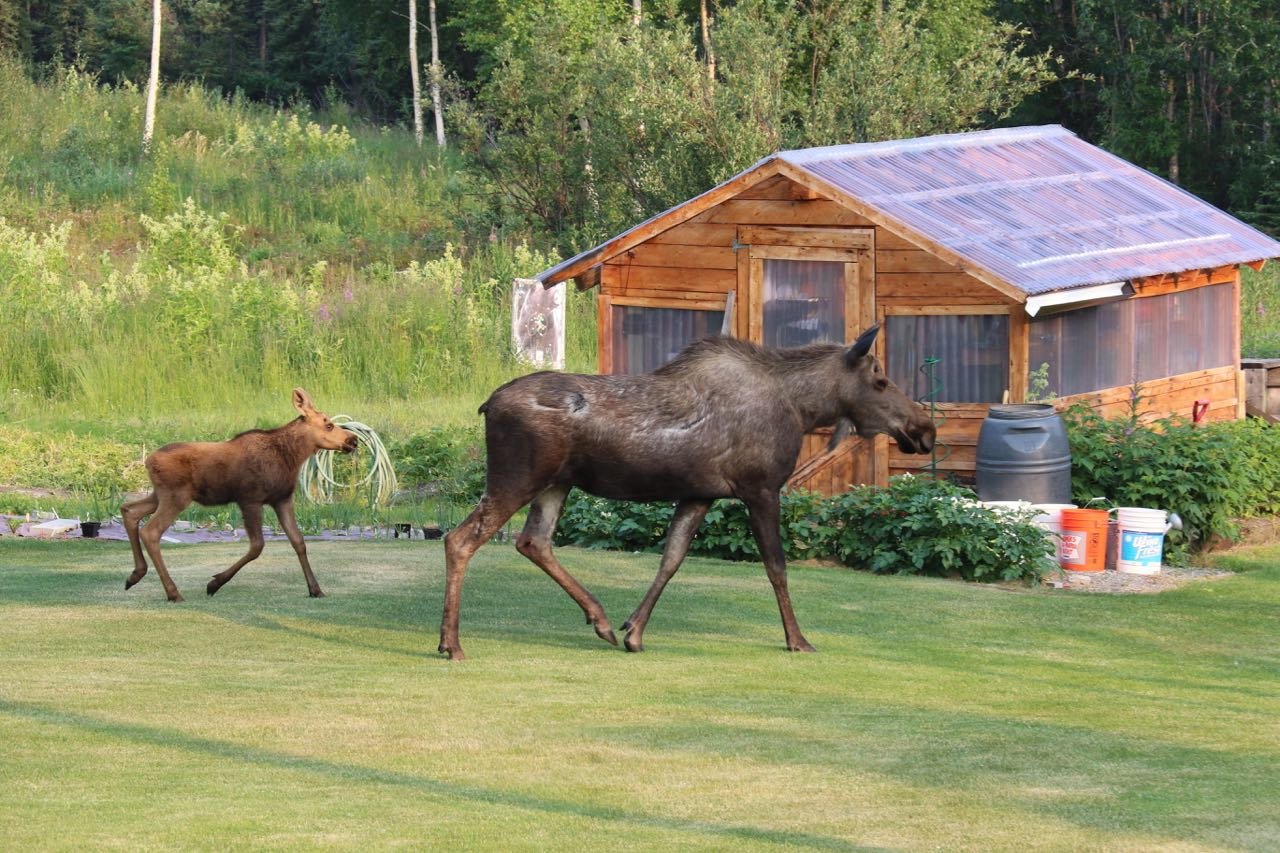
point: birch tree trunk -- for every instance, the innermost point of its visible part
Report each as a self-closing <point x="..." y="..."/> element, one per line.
<point x="436" y="75"/>
<point x="636" y="14"/>
<point x="153" y="82"/>
<point x="704" y="20"/>
<point x="413" y="70"/>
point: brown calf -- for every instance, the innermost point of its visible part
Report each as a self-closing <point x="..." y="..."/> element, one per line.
<point x="254" y="468"/>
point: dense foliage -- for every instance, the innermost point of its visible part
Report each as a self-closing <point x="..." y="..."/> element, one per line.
<point x="915" y="526"/>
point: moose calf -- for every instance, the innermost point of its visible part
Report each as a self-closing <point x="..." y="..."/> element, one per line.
<point x="254" y="468"/>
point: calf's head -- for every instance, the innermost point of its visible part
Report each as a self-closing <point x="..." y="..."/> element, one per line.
<point x="323" y="432"/>
<point x="874" y="405"/>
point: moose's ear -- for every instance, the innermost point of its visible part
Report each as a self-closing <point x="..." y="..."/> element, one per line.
<point x="861" y="346"/>
<point x="302" y="402"/>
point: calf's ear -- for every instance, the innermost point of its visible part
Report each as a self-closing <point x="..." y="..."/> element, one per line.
<point x="302" y="402"/>
<point x="862" y="345"/>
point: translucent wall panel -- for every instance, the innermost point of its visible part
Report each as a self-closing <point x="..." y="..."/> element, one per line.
<point x="1116" y="344"/>
<point x="972" y="353"/>
<point x="647" y="338"/>
<point x="803" y="303"/>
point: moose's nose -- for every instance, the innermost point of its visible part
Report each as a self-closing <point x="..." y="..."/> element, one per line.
<point x="349" y="446"/>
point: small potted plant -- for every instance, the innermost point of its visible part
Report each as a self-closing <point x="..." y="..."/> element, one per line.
<point x="97" y="502"/>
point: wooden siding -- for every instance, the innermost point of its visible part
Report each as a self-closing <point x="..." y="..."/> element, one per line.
<point x="699" y="260"/>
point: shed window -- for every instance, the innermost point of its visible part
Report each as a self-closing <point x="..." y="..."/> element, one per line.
<point x="646" y="338"/>
<point x="1137" y="340"/>
<point x="972" y="352"/>
<point x="803" y="302"/>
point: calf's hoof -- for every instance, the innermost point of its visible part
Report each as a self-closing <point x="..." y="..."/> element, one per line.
<point x="134" y="578"/>
<point x="176" y="598"/>
<point x="605" y="632"/>
<point x="213" y="587"/>
<point x="316" y="593"/>
<point x="802" y="646"/>
<point x="633" y="644"/>
<point x="453" y="653"/>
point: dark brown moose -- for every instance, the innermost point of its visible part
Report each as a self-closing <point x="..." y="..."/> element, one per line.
<point x="254" y="468"/>
<point x="726" y="418"/>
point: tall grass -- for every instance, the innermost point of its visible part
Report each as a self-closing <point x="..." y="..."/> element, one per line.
<point x="255" y="250"/>
<point x="1260" y="312"/>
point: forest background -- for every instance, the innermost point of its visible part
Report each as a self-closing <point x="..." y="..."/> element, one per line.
<point x="285" y="227"/>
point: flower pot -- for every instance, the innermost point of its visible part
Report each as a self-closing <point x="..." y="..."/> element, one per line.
<point x="89" y="529"/>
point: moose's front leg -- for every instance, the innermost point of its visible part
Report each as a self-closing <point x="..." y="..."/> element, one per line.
<point x="688" y="517"/>
<point x="766" y="520"/>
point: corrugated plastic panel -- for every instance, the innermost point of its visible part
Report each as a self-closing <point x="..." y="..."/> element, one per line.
<point x="1037" y="206"/>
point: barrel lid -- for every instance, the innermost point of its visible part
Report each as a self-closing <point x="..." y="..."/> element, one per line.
<point x="1021" y="411"/>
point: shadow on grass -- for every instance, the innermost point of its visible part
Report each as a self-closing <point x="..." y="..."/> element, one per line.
<point x="347" y="773"/>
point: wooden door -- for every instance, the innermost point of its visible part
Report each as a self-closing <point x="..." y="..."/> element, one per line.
<point x="812" y="285"/>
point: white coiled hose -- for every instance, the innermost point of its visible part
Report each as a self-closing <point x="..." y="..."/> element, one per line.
<point x="316" y="481"/>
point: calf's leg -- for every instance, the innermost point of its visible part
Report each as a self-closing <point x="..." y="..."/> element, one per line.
<point x="252" y="514"/>
<point x="534" y="542"/>
<point x="132" y="514"/>
<point x="688" y="517"/>
<point x="169" y="506"/>
<point x="459" y="546"/>
<point x="765" y="514"/>
<point x="284" y="512"/>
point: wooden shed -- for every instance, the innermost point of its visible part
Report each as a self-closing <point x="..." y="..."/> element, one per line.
<point x="985" y="256"/>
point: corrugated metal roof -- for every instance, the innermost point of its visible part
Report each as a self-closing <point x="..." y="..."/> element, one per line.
<point x="1037" y="206"/>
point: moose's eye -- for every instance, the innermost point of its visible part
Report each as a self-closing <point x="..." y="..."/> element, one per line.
<point x="881" y="383"/>
<point x="329" y="426"/>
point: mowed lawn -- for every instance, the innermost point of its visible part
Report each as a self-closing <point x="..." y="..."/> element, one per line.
<point x="935" y="715"/>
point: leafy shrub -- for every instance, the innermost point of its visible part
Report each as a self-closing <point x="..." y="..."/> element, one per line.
<point x="447" y="461"/>
<point x="915" y="526"/>
<point x="1209" y="474"/>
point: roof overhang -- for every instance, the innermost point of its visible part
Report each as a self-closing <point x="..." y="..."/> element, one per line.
<point x="585" y="266"/>
<point x="1077" y="297"/>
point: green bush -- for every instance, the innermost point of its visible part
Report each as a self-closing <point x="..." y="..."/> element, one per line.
<point x="915" y="526"/>
<point x="446" y="461"/>
<point x="1210" y="474"/>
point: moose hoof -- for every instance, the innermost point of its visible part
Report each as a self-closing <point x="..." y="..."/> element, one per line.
<point x="452" y="654"/>
<point x="176" y="599"/>
<point x="316" y="593"/>
<point x="212" y="587"/>
<point x="134" y="578"/>
<point x="605" y="633"/>
<point x="802" y="646"/>
<point x="633" y="644"/>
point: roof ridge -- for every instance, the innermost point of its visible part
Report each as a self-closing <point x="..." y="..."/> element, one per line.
<point x="998" y="136"/>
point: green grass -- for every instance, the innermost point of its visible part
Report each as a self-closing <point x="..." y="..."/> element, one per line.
<point x="936" y="714"/>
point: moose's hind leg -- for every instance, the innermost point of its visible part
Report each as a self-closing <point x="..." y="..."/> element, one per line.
<point x="170" y="506"/>
<point x="132" y="514"/>
<point x="252" y="515"/>
<point x="534" y="542"/>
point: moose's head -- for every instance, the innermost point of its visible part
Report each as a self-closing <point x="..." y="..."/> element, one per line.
<point x="321" y="431"/>
<point x="872" y="404"/>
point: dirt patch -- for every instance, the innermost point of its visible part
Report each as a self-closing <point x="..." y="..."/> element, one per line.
<point x="1111" y="581"/>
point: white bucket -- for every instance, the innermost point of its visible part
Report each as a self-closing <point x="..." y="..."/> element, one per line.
<point x="1049" y="518"/>
<point x="1141" y="539"/>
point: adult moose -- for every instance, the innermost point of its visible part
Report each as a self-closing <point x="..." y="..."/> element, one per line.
<point x="724" y="419"/>
<point x="254" y="468"/>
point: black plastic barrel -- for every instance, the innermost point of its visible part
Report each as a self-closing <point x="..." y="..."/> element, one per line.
<point x="1023" y="454"/>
